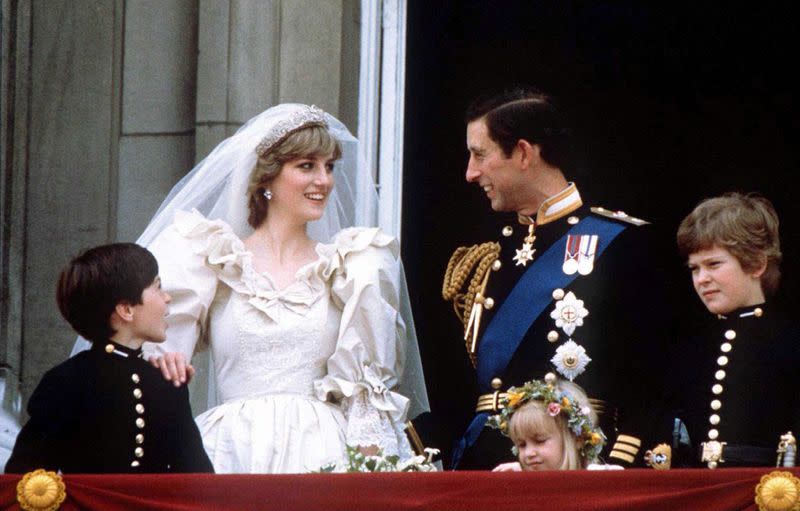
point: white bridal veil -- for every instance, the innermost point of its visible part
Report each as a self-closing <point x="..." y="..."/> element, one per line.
<point x="217" y="186"/>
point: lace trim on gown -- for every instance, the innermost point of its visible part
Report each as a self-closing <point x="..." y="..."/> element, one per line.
<point x="368" y="426"/>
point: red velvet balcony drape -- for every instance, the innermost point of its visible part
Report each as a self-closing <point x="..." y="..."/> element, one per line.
<point x="708" y="490"/>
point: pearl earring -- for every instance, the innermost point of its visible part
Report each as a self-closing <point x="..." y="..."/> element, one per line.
<point x="268" y="194"/>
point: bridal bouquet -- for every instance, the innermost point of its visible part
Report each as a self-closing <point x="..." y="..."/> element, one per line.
<point x="360" y="462"/>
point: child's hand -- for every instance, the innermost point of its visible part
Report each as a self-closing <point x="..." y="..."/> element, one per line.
<point x="513" y="466"/>
<point x="174" y="368"/>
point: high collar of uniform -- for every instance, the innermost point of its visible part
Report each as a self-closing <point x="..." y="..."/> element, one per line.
<point x="749" y="312"/>
<point x="113" y="348"/>
<point x="557" y="206"/>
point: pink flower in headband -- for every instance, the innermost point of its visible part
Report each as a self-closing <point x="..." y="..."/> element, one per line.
<point x="553" y="409"/>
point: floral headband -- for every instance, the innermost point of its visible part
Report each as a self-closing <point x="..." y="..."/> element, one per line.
<point x="590" y="437"/>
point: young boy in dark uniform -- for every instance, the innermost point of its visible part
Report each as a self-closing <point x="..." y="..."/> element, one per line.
<point x="107" y="410"/>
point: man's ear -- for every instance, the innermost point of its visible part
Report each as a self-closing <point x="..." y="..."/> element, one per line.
<point x="528" y="153"/>
<point x="124" y="310"/>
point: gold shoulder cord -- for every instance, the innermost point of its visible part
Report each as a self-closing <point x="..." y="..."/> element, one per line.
<point x="471" y="266"/>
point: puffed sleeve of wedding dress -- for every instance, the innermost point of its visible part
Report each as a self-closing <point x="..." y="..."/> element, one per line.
<point x="364" y="270"/>
<point x="179" y="250"/>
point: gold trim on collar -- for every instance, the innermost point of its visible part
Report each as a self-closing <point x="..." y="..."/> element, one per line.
<point x="570" y="193"/>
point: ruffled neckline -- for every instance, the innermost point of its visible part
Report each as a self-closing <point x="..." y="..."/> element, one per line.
<point x="225" y="253"/>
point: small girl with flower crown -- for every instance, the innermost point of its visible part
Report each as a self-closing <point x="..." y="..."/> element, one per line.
<point x="551" y="424"/>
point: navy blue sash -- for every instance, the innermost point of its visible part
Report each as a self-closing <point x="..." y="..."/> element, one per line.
<point x="532" y="294"/>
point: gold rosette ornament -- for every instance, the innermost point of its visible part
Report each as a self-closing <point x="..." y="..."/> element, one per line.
<point x="41" y="491"/>
<point x="778" y="491"/>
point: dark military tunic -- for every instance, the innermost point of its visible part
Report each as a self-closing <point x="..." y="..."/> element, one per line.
<point x="106" y="410"/>
<point x="736" y="383"/>
<point x="623" y="333"/>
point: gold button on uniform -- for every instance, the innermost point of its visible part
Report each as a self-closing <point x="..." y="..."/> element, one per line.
<point x="109" y="348"/>
<point x="716" y="404"/>
<point x="552" y="336"/>
<point x="507" y="231"/>
<point x="497" y="383"/>
<point x="714" y="419"/>
<point x="558" y="294"/>
<point x="717" y="389"/>
<point x="758" y="312"/>
<point x="135" y="378"/>
<point x="134" y="463"/>
<point x="139" y="452"/>
<point x="140" y="408"/>
<point x="726" y="347"/>
<point x="723" y="360"/>
<point x="730" y="335"/>
<point x="137" y="393"/>
<point x="140" y="423"/>
<point x="720" y="375"/>
<point x="713" y="434"/>
<point x="497" y="265"/>
<point x="139" y="438"/>
<point x="573" y="220"/>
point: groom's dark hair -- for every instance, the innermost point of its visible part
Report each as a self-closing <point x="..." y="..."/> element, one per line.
<point x="525" y="114"/>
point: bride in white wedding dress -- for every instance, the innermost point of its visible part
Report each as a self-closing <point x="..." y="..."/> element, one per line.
<point x="311" y="340"/>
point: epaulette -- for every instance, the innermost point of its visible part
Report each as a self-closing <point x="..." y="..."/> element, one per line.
<point x="619" y="215"/>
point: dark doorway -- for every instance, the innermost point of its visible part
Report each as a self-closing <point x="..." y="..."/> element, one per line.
<point x="671" y="102"/>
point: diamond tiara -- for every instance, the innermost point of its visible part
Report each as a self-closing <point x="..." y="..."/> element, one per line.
<point x="304" y="117"/>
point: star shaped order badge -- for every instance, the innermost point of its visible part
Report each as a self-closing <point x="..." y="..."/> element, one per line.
<point x="570" y="359"/>
<point x="524" y="254"/>
<point x="569" y="313"/>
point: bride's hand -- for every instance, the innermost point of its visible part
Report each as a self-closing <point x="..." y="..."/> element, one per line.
<point x="174" y="367"/>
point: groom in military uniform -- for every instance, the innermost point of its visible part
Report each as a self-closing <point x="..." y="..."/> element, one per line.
<point x="567" y="288"/>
